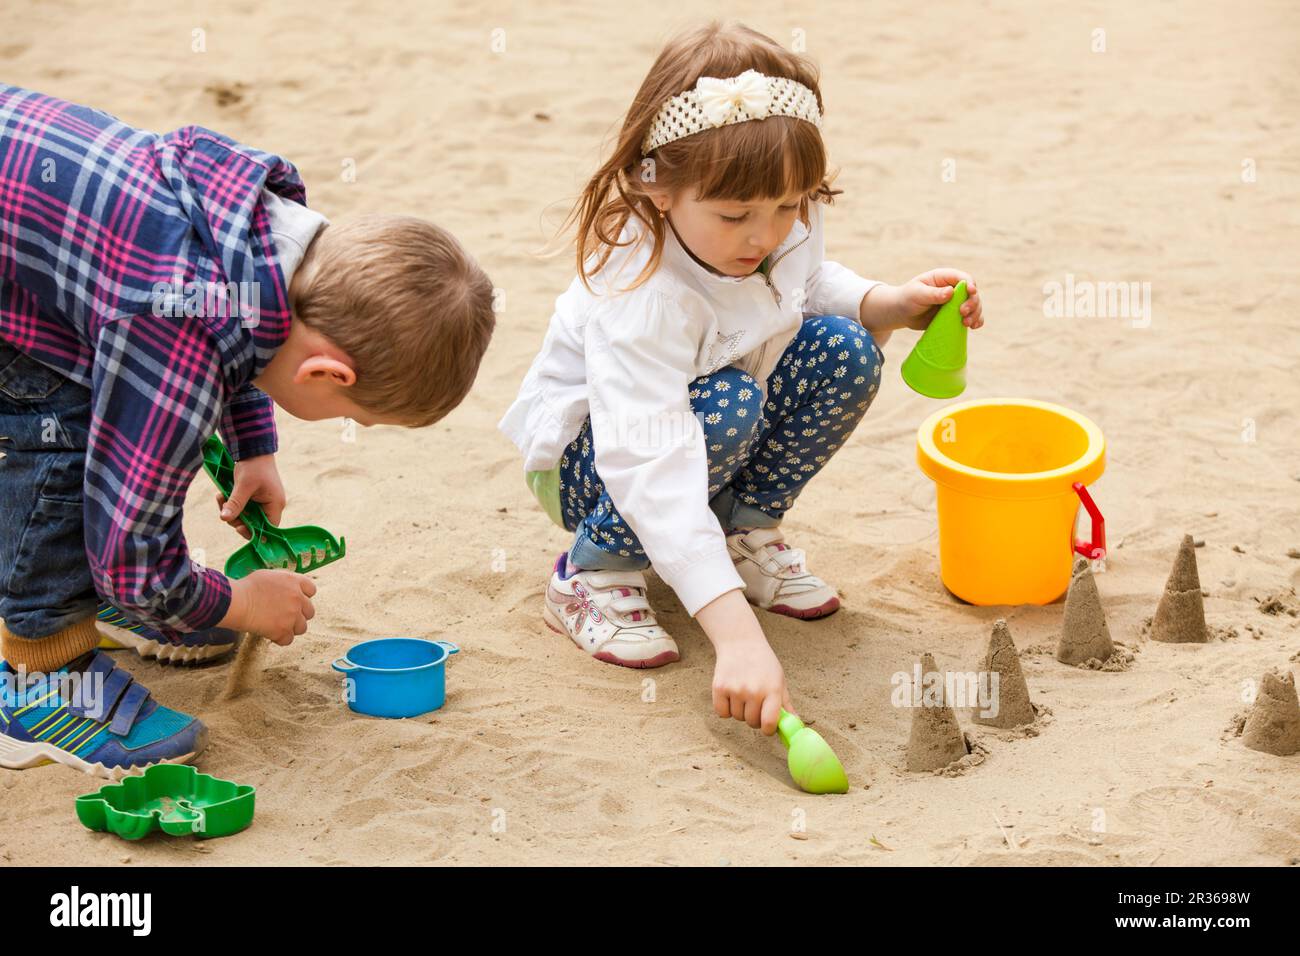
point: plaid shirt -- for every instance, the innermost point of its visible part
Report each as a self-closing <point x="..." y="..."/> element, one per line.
<point x="115" y="244"/>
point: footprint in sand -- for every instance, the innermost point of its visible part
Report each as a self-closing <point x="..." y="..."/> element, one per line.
<point x="227" y="94"/>
<point x="339" y="471"/>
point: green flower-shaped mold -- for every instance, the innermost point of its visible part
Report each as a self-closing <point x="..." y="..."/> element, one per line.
<point x="174" y="798"/>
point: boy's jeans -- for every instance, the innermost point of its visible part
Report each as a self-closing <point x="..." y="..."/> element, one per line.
<point x="45" y="583"/>
<point x="761" y="454"/>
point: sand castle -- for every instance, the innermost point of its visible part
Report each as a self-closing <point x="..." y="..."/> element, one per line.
<point x="1180" y="616"/>
<point x="1084" y="634"/>
<point x="936" y="740"/>
<point x="1002" y="658"/>
<point x="1273" y="725"/>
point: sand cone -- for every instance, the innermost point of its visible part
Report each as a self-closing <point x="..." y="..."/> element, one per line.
<point x="1084" y="634"/>
<point x="1013" y="706"/>
<point x="936" y="739"/>
<point x="1180" y="616"/>
<point x="1273" y="725"/>
<point x="936" y="366"/>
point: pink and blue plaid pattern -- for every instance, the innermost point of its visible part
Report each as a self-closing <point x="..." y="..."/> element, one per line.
<point x="96" y="218"/>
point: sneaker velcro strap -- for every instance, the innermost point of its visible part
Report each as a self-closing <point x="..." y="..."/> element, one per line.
<point x="102" y="684"/>
<point x="761" y="544"/>
<point x="790" y="558"/>
<point x="626" y="605"/>
<point x="128" y="709"/>
<point x="604" y="580"/>
<point x="762" y="537"/>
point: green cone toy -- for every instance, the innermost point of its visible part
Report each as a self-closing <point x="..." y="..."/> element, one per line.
<point x="937" y="366"/>
<point x="813" y="764"/>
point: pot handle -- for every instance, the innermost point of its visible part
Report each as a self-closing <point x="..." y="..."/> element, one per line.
<point x="450" y="647"/>
<point x="343" y="665"/>
<point x="1095" y="549"/>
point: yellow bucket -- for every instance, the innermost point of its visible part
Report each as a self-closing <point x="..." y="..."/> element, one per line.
<point x="1010" y="474"/>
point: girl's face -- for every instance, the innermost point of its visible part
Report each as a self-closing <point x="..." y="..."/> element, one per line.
<point x="729" y="236"/>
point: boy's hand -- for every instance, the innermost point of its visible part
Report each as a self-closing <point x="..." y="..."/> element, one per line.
<point x="256" y="479"/>
<point x="748" y="682"/>
<point x="914" y="303"/>
<point x="273" y="603"/>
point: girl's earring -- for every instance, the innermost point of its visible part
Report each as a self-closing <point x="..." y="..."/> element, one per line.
<point x="661" y="214"/>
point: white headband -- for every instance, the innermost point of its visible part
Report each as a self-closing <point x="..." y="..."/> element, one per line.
<point x="714" y="102"/>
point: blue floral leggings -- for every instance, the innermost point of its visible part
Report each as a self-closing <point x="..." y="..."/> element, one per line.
<point x="760" y="454"/>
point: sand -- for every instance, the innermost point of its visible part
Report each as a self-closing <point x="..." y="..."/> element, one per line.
<point x="1085" y="638"/>
<point x="1015" y="709"/>
<point x="1274" y="722"/>
<point x="1180" y="615"/>
<point x="245" y="670"/>
<point x="936" y="740"/>
<point x="1118" y="166"/>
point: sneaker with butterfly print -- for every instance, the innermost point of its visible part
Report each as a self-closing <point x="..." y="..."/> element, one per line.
<point x="607" y="615"/>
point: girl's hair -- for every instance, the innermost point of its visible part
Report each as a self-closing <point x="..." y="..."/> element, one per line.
<point x="757" y="159"/>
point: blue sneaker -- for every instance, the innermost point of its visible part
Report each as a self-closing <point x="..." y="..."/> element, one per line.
<point x="117" y="630"/>
<point x="96" y="718"/>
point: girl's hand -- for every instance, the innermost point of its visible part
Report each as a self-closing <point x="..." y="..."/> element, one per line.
<point x="749" y="685"/>
<point x="919" y="299"/>
<point x="256" y="479"/>
<point x="748" y="682"/>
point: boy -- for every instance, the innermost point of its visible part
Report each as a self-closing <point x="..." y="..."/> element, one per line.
<point x="153" y="290"/>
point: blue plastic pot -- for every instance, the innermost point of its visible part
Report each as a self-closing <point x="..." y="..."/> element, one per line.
<point x="396" y="676"/>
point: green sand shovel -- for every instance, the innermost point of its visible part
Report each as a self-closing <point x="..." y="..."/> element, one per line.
<point x="301" y="549"/>
<point x="936" y="366"/>
<point x="813" y="764"/>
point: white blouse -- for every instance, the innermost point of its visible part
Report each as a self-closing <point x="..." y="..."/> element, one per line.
<point x="627" y="360"/>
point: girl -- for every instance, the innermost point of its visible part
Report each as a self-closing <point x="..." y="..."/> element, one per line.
<point x="704" y="365"/>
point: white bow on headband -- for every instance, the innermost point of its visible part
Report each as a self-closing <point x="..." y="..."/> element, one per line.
<point x="720" y="99"/>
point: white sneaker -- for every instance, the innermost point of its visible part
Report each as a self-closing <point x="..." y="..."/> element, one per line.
<point x="776" y="576"/>
<point x="606" y="614"/>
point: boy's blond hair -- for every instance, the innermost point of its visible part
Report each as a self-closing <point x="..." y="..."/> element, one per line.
<point x="408" y="305"/>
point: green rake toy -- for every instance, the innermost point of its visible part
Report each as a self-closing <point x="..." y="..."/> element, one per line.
<point x="301" y="549"/>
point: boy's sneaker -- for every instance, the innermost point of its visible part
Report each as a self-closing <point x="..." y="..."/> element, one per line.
<point x="96" y="718"/>
<point x="776" y="575"/>
<point x="117" y="630"/>
<point x="606" y="614"/>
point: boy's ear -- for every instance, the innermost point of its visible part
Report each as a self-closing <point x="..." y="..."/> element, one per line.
<point x="317" y="367"/>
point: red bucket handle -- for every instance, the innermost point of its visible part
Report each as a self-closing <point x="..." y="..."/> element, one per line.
<point x="1095" y="549"/>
